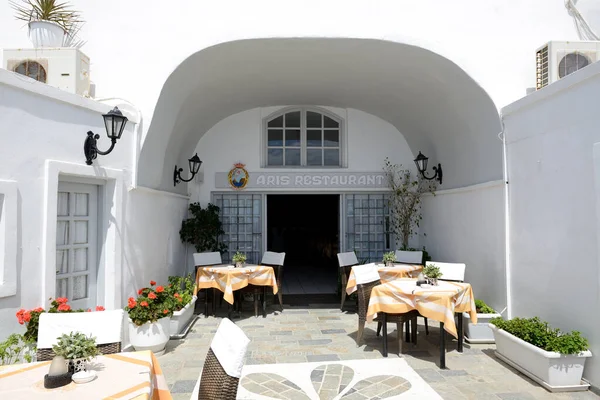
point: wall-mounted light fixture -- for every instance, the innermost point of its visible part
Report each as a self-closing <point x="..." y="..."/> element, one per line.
<point x="421" y="162"/>
<point x="195" y="164"/>
<point x="114" y="121"/>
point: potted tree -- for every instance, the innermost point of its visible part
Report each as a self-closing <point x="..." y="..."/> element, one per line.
<point x="77" y="349"/>
<point x="480" y="332"/>
<point x="182" y="290"/>
<point x="149" y="318"/>
<point x="239" y="259"/>
<point x="552" y="358"/>
<point x="50" y="22"/>
<point x="389" y="258"/>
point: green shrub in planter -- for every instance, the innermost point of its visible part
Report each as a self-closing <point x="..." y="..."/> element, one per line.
<point x="483" y="308"/>
<point x="539" y="334"/>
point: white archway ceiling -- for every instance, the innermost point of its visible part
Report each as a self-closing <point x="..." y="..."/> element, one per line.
<point x="437" y="107"/>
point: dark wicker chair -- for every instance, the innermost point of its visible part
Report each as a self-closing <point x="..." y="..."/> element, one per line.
<point x="346" y="261"/>
<point x="107" y="348"/>
<point x="215" y="384"/>
<point x="364" y="294"/>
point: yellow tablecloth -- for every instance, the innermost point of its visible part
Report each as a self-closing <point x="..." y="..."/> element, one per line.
<point x="387" y="274"/>
<point x="227" y="279"/>
<point x="438" y="302"/>
<point x="135" y="375"/>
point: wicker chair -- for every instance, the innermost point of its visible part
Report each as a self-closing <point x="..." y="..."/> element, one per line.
<point x="106" y="326"/>
<point x="215" y="383"/>
<point x="346" y="262"/>
<point x="364" y="294"/>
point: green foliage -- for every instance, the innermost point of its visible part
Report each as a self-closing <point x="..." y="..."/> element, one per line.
<point x="539" y="334"/>
<point x="405" y="200"/>
<point x="426" y="256"/>
<point x="432" y="271"/>
<point x="47" y="10"/>
<point x="76" y="345"/>
<point x="483" y="308"/>
<point x="390" y="256"/>
<point x="239" y="257"/>
<point x="152" y="304"/>
<point x="203" y="229"/>
<point x="184" y="287"/>
<point x="15" y="349"/>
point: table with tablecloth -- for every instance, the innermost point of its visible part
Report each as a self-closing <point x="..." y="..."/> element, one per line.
<point x="228" y="279"/>
<point x="129" y="375"/>
<point x="387" y="274"/>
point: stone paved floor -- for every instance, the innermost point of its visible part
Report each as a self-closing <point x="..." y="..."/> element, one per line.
<point x="316" y="333"/>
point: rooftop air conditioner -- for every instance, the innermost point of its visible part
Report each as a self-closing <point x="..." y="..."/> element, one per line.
<point x="555" y="60"/>
<point x="66" y="68"/>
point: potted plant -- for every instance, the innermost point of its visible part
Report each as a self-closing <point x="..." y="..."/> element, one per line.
<point x="433" y="273"/>
<point x="549" y="356"/>
<point x="50" y="22"/>
<point x="149" y="318"/>
<point x="389" y="258"/>
<point x="182" y="289"/>
<point x="77" y="349"/>
<point x="480" y="332"/>
<point x="239" y="259"/>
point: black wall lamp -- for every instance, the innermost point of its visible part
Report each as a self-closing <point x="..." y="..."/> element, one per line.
<point x="195" y="164"/>
<point x="115" y="122"/>
<point x="421" y="162"/>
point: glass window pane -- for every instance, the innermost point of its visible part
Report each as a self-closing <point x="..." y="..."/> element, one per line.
<point x="314" y="157"/>
<point x="292" y="138"/>
<point x="292" y="119"/>
<point x="81" y="204"/>
<point x="313" y="120"/>
<point x="313" y="138"/>
<point x="81" y="260"/>
<point x="332" y="139"/>
<point x="275" y="137"/>
<point x="62" y="204"/>
<point x="330" y="123"/>
<point x="80" y="287"/>
<point x="276" y="122"/>
<point x="61" y="287"/>
<point x="81" y="232"/>
<point x="292" y="156"/>
<point x="275" y="157"/>
<point x="332" y="157"/>
<point x="62" y="261"/>
<point x="62" y="233"/>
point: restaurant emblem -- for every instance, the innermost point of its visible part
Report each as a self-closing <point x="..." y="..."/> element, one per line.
<point x="238" y="176"/>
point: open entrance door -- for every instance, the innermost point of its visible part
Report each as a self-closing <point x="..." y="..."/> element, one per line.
<point x="306" y="228"/>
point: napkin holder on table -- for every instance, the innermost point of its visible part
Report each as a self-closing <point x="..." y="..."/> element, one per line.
<point x="58" y="375"/>
<point x="421" y="280"/>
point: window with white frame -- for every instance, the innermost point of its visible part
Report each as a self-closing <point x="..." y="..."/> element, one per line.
<point x="303" y="137"/>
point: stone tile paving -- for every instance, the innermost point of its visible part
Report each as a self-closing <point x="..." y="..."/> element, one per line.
<point x="323" y="333"/>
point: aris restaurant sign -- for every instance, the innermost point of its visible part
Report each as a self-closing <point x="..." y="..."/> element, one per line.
<point x="307" y="179"/>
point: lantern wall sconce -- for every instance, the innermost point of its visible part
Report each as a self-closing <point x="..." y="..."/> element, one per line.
<point x="115" y="122"/>
<point x="195" y="164"/>
<point x="421" y="162"/>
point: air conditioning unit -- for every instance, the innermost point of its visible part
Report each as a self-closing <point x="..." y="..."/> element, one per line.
<point x="555" y="60"/>
<point x="66" y="68"/>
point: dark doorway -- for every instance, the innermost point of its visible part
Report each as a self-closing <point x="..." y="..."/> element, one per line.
<point x="306" y="228"/>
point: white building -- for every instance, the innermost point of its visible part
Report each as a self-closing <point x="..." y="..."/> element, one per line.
<point x="357" y="82"/>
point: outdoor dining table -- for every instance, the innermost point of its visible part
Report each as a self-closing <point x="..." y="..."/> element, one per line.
<point x="133" y="375"/>
<point x="439" y="303"/>
<point x="228" y="279"/>
<point x="387" y="274"/>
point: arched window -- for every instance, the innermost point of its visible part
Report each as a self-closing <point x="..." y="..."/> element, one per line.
<point x="32" y="69"/>
<point x="303" y="137"/>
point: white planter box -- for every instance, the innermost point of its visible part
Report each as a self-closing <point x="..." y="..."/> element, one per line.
<point x="151" y="336"/>
<point x="479" y="332"/>
<point x="46" y="34"/>
<point x="554" y="371"/>
<point x="180" y="318"/>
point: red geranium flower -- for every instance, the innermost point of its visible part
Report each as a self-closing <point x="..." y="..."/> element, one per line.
<point x="152" y="283"/>
<point x="62" y="300"/>
<point x="140" y="291"/>
<point x="177" y="295"/>
<point x="26" y="316"/>
<point x="144" y="304"/>
<point x="165" y="311"/>
<point x="100" y="308"/>
<point x="160" y="289"/>
<point x="39" y="309"/>
<point x="132" y="303"/>
<point x="20" y="312"/>
<point x="64" y="307"/>
<point x="89" y="310"/>
<point x="151" y="296"/>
